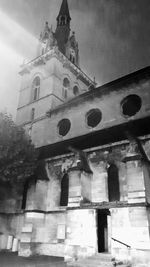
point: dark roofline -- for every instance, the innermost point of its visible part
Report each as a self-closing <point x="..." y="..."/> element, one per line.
<point x="114" y="85"/>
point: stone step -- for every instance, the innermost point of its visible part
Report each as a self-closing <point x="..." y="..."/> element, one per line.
<point x="98" y="260"/>
<point x="91" y="264"/>
<point x="24" y="250"/>
<point x="102" y="256"/>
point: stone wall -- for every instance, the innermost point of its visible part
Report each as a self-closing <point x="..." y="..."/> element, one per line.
<point x="134" y="181"/>
<point x="76" y="111"/>
<point x="47" y="235"/>
<point x="130" y="226"/>
<point x="11" y="225"/>
<point x="81" y="239"/>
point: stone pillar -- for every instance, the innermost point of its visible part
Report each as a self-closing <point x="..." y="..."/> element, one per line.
<point x="86" y="187"/>
<point x="74" y="187"/>
<point x="54" y="186"/>
<point x="99" y="185"/>
<point x="53" y="194"/>
<point x="135" y="181"/>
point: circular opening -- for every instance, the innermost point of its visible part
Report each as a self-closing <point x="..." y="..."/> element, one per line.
<point x="75" y="90"/>
<point x="66" y="83"/>
<point x="93" y="117"/>
<point x="64" y="127"/>
<point x="131" y="105"/>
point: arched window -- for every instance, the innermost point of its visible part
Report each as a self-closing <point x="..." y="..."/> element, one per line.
<point x="36" y="88"/>
<point x="64" y="190"/>
<point x="113" y="183"/>
<point x="66" y="87"/>
<point x="75" y="90"/>
<point x="66" y="83"/>
<point x="64" y="92"/>
<point x="25" y="191"/>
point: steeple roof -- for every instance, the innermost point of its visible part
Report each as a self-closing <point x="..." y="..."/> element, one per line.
<point x="64" y="10"/>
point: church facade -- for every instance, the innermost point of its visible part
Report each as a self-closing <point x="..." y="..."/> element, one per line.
<point x="95" y="143"/>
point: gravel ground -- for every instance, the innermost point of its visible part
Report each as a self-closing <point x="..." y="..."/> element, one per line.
<point x="8" y="259"/>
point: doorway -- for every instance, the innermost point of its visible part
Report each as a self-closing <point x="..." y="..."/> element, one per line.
<point x="102" y="230"/>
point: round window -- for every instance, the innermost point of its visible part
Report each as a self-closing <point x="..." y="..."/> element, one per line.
<point x="93" y="117"/>
<point x="64" y="127"/>
<point x="131" y="105"/>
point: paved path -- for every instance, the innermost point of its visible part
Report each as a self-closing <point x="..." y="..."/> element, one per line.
<point x="12" y="260"/>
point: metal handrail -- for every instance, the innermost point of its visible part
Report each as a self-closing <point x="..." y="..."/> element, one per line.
<point x="116" y="240"/>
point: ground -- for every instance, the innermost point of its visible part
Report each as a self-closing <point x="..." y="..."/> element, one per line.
<point x="8" y="259"/>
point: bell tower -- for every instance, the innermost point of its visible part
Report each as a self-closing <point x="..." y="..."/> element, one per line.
<point x="53" y="77"/>
<point x="63" y="27"/>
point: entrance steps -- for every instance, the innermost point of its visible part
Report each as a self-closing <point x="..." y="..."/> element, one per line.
<point x="98" y="260"/>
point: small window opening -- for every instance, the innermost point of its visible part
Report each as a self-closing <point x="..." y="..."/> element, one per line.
<point x="64" y="93"/>
<point x="36" y="88"/>
<point x="32" y="114"/>
<point x="35" y="94"/>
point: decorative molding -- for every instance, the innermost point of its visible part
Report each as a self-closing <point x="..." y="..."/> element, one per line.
<point x="54" y="172"/>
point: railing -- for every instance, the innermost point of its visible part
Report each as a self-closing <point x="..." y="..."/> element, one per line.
<point x="124" y="244"/>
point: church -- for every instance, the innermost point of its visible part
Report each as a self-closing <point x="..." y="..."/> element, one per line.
<point x="94" y="202"/>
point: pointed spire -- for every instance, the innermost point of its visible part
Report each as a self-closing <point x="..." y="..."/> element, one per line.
<point x="64" y="10"/>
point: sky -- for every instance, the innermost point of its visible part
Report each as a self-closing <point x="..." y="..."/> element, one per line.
<point x="113" y="37"/>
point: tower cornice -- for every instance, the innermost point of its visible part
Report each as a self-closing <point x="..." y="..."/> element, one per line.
<point x="40" y="60"/>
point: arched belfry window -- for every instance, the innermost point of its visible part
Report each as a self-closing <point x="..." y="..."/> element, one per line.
<point x="66" y="83"/>
<point x="113" y="183"/>
<point x="36" y="88"/>
<point x="62" y="20"/>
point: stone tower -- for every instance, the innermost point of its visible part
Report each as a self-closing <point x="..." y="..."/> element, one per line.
<point x="54" y="76"/>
